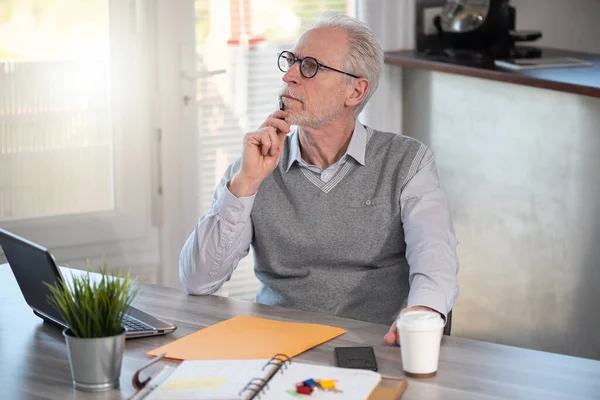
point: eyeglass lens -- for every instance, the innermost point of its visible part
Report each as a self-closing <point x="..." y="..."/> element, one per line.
<point x="308" y="66"/>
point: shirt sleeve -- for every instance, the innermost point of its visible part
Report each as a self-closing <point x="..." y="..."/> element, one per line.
<point x="430" y="240"/>
<point x="219" y="241"/>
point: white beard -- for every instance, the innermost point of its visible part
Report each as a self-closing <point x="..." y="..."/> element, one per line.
<point x="320" y="118"/>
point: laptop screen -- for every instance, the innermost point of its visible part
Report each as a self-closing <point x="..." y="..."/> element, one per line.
<point x="32" y="265"/>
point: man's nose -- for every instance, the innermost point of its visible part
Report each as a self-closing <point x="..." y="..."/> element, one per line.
<point x="293" y="74"/>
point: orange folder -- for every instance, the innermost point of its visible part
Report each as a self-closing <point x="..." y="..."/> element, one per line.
<point x="247" y="338"/>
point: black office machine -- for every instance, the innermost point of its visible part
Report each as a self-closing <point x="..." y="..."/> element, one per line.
<point x="480" y="29"/>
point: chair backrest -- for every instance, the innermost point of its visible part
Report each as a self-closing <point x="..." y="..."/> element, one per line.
<point x="448" y="327"/>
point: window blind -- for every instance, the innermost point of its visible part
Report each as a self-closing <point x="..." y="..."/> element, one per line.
<point x="237" y="42"/>
<point x="55" y="115"/>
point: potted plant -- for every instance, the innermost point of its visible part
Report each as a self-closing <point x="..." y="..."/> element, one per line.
<point x="93" y="307"/>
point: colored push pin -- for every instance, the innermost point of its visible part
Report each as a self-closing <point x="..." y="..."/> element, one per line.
<point x="302" y="389"/>
<point x="328" y="384"/>
<point x="310" y="383"/>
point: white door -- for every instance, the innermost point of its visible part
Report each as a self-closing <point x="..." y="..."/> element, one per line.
<point x="219" y="67"/>
<point x="75" y="129"/>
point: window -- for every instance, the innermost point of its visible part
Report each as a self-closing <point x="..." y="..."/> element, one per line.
<point x="237" y="43"/>
<point x="74" y="122"/>
<point x="55" y="131"/>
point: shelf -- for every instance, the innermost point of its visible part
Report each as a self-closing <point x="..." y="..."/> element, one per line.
<point x="580" y="80"/>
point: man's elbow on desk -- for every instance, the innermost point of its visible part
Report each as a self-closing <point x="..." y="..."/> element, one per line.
<point x="195" y="281"/>
<point x="196" y="287"/>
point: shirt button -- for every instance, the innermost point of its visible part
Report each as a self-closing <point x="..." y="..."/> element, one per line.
<point x="235" y="209"/>
<point x="368" y="202"/>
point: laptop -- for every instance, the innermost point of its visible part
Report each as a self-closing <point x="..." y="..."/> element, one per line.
<point x="33" y="265"/>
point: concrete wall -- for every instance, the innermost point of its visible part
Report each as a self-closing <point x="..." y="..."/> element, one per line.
<point x="572" y="24"/>
<point x="521" y="168"/>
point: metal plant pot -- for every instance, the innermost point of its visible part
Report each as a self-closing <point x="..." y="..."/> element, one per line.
<point x="95" y="362"/>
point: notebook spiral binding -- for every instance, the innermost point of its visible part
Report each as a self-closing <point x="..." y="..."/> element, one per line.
<point x="256" y="386"/>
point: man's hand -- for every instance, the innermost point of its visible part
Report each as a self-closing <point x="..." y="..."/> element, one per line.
<point x="393" y="336"/>
<point x="260" y="156"/>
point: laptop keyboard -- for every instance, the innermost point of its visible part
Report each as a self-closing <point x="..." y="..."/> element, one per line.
<point x="134" y="324"/>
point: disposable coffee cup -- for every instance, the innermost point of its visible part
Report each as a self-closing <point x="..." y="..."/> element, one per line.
<point x="420" y="336"/>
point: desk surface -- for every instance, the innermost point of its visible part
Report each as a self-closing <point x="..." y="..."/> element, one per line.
<point x="583" y="80"/>
<point x="34" y="359"/>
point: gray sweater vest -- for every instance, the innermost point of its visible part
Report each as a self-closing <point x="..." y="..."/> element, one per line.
<point x="339" y="248"/>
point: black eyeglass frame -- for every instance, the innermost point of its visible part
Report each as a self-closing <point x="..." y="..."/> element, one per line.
<point x="318" y="64"/>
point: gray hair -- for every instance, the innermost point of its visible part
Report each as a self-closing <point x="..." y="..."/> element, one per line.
<point x="365" y="54"/>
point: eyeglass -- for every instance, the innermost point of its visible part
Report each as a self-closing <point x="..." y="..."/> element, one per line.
<point x="309" y="66"/>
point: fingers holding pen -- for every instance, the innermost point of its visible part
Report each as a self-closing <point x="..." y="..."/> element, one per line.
<point x="262" y="150"/>
<point x="277" y="121"/>
<point x="267" y="140"/>
<point x="275" y="142"/>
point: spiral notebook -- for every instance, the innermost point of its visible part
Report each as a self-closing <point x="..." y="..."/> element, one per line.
<point x="269" y="379"/>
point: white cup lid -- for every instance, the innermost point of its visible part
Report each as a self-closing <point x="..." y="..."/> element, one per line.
<point x="420" y="321"/>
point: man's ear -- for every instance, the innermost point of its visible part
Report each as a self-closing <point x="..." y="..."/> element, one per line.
<point x="359" y="91"/>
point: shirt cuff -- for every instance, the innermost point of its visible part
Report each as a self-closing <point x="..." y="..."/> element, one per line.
<point x="231" y="208"/>
<point x="427" y="298"/>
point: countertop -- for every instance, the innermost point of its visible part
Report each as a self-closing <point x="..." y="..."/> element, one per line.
<point x="579" y="80"/>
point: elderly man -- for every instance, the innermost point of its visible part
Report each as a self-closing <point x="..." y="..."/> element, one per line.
<point x="343" y="219"/>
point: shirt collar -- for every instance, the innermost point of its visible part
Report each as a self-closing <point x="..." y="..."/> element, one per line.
<point x="356" y="148"/>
